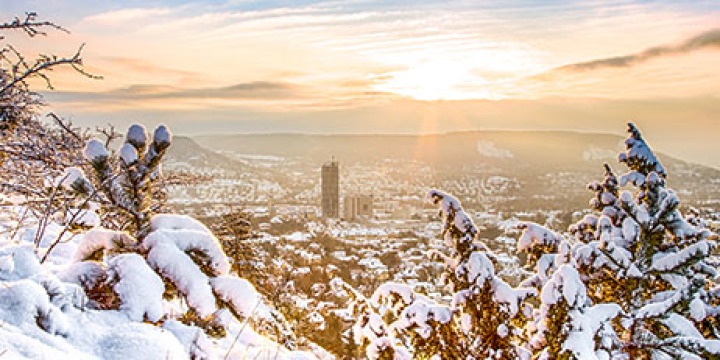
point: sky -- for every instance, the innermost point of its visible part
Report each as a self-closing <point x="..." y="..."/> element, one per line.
<point x="242" y="66"/>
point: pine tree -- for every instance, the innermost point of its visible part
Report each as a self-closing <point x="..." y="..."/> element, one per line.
<point x="484" y="321"/>
<point x="639" y="255"/>
<point x="492" y="314"/>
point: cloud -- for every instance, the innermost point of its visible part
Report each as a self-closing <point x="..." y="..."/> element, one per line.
<point x="709" y="39"/>
<point x="251" y="90"/>
<point x="146" y="67"/>
<point x="126" y="15"/>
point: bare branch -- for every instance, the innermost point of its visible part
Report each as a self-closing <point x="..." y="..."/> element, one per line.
<point x="67" y="127"/>
<point x="30" y="25"/>
<point x="109" y="132"/>
<point x="44" y="63"/>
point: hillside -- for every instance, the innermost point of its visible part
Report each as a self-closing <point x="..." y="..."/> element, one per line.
<point x="185" y="152"/>
<point x="557" y="149"/>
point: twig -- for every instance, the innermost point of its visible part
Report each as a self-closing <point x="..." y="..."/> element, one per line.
<point x="30" y="26"/>
<point x="109" y="133"/>
<point x="21" y="220"/>
<point x="43" y="221"/>
<point x="242" y="328"/>
<point x="72" y="219"/>
<point x="64" y="126"/>
<point x="43" y="63"/>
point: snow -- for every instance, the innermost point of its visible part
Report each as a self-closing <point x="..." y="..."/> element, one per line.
<point x="176" y="222"/>
<point x="26" y="302"/>
<point x="176" y="266"/>
<point x="697" y="309"/>
<point x="536" y="235"/>
<point x="82" y="217"/>
<point x="73" y="177"/>
<point x="133" y="341"/>
<point x="298" y="236"/>
<point x="380" y="345"/>
<point x="194" y="340"/>
<point x="489" y="149"/>
<point x="419" y="316"/>
<point x="511" y="297"/>
<point x="45" y="313"/>
<point x="87" y="274"/>
<point x="100" y="239"/>
<point x="659" y="308"/>
<point x="162" y="135"/>
<point x="238" y="292"/>
<point x="21" y="262"/>
<point x="137" y="135"/>
<point x="502" y="330"/>
<point x="139" y="288"/>
<point x="477" y="269"/>
<point x="187" y="234"/>
<point x="565" y="283"/>
<point x="92" y="335"/>
<point x="95" y="151"/>
<point x="632" y="177"/>
<point x="672" y="260"/>
<point x="128" y="154"/>
<point x="585" y="328"/>
<point x="638" y="153"/>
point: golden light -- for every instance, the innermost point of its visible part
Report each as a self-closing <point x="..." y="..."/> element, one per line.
<point x="489" y="71"/>
<point x="432" y="80"/>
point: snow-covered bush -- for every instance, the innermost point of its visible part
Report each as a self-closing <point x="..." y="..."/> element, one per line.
<point x="177" y="271"/>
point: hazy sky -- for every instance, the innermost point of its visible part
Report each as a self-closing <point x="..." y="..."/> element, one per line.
<point x="393" y="66"/>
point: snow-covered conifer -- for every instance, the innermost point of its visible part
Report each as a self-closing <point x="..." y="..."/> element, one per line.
<point x="640" y="261"/>
<point x="491" y="312"/>
<point x="485" y="319"/>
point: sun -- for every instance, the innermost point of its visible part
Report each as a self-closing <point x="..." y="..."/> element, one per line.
<point x="432" y="80"/>
<point x="491" y="71"/>
<point x="439" y="79"/>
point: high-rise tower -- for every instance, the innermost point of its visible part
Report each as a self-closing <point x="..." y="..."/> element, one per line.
<point x="330" y="190"/>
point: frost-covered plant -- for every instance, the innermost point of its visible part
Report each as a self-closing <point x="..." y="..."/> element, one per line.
<point x="160" y="266"/>
<point x="640" y="261"/>
<point x="370" y="333"/>
<point x="178" y="271"/>
<point x="484" y="321"/>
<point x="126" y="178"/>
<point x="32" y="152"/>
<point x="491" y="313"/>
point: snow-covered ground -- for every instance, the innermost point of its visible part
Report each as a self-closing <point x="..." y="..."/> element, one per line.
<point x="46" y="314"/>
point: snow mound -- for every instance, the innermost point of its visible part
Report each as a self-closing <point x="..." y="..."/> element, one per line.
<point x="138" y="287"/>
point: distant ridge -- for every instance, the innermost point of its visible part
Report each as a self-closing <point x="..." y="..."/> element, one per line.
<point x="563" y="149"/>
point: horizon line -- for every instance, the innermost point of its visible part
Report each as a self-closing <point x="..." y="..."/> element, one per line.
<point x="300" y="133"/>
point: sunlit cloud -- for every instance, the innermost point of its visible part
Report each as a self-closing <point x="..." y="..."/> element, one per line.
<point x="709" y="39"/>
<point x="339" y="54"/>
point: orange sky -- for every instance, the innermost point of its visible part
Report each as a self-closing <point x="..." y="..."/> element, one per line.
<point x="275" y="66"/>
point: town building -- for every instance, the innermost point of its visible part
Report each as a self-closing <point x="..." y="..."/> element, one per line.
<point x="358" y="206"/>
<point x="330" y="189"/>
